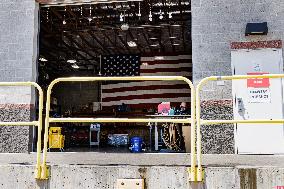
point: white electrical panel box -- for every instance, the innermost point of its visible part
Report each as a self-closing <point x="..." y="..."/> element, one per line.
<point x="258" y="99"/>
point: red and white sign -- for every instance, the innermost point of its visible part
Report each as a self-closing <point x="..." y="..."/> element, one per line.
<point x="258" y="82"/>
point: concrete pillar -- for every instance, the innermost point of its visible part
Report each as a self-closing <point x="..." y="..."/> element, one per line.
<point x="18" y="56"/>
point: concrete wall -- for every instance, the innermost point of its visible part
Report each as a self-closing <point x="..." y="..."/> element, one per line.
<point x="215" y="24"/>
<point x="156" y="177"/>
<point x="18" y="54"/>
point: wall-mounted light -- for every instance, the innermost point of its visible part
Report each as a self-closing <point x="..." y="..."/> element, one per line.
<point x="256" y="29"/>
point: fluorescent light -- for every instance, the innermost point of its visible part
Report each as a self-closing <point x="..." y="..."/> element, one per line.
<point x="153" y="38"/>
<point x="154" y="45"/>
<point x="159" y="58"/>
<point x="172" y="37"/>
<point x="42" y="59"/>
<point x="131" y="44"/>
<point x="176" y="25"/>
<point x="75" y="66"/>
<point x="71" y="61"/>
<point x="176" y="44"/>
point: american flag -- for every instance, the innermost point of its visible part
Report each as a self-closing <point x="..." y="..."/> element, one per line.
<point x="146" y="94"/>
<point x="120" y="65"/>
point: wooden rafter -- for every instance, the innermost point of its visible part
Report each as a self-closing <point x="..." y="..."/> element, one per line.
<point x="117" y="50"/>
<point x="147" y="40"/>
<point x="79" y="46"/>
<point x="82" y="37"/>
<point x="122" y="41"/>
<point x="103" y="47"/>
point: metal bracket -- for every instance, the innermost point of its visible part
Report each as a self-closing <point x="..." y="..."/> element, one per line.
<point x="38" y="173"/>
<point x="45" y="172"/>
<point x="192" y="171"/>
<point x="130" y="183"/>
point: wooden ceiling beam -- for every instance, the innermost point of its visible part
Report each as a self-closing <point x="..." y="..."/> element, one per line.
<point x="82" y="37"/>
<point x="141" y="49"/>
<point x="183" y="39"/>
<point x="83" y="49"/>
<point x="75" y="51"/>
<point x="171" y="40"/>
<point x="52" y="9"/>
<point x="71" y="13"/>
<point x="122" y="41"/>
<point x="147" y="40"/>
<point x="117" y="50"/>
<point x="103" y="47"/>
<point x="162" y="47"/>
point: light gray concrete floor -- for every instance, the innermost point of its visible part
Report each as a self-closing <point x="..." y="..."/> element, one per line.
<point x="144" y="159"/>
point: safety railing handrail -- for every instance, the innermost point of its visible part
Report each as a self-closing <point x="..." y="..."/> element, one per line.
<point x="200" y="121"/>
<point x="134" y="78"/>
<point x="30" y="123"/>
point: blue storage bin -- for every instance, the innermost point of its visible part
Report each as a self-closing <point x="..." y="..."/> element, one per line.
<point x="136" y="144"/>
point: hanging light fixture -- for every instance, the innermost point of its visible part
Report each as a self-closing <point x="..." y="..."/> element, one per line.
<point x="124" y="26"/>
<point x="121" y="18"/>
<point x="47" y="14"/>
<point x="150" y="15"/>
<point x="161" y="15"/>
<point x="139" y="11"/>
<point x="64" y="21"/>
<point x="81" y="13"/>
<point x="90" y="15"/>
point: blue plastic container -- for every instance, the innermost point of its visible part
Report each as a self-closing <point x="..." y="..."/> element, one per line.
<point x="136" y="144"/>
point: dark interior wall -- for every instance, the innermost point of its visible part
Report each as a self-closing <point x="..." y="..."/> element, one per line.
<point x="76" y="95"/>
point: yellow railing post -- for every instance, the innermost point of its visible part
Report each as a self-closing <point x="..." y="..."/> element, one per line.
<point x="31" y="123"/>
<point x="48" y="120"/>
<point x="200" y="122"/>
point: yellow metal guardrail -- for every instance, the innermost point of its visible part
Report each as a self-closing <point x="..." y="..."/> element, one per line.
<point x="44" y="172"/>
<point x="200" y="122"/>
<point x="31" y="123"/>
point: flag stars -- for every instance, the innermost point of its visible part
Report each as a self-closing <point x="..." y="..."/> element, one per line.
<point x="121" y="65"/>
